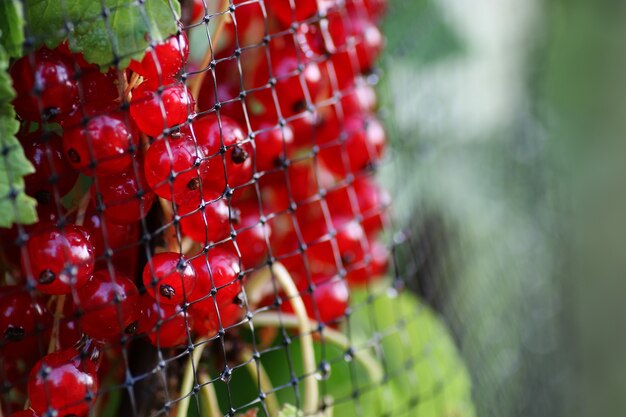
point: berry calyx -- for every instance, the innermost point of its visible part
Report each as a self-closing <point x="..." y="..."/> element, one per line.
<point x="169" y="278"/>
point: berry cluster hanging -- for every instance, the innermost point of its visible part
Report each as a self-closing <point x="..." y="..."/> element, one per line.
<point x="163" y="188"/>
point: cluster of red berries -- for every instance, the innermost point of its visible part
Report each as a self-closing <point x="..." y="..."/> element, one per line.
<point x="296" y="189"/>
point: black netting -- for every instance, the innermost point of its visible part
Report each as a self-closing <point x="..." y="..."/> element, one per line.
<point x="276" y="208"/>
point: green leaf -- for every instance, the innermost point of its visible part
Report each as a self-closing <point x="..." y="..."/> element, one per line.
<point x="15" y="205"/>
<point x="289" y="410"/>
<point x="11" y="27"/>
<point x="419" y="356"/>
<point x="105" y="32"/>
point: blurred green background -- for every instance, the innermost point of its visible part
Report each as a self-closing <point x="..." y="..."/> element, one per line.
<point x="509" y="165"/>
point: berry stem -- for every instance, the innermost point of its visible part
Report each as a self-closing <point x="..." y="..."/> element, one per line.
<point x="196" y="82"/>
<point x="302" y="322"/>
<point x="338" y="339"/>
<point x="189" y="378"/>
<point x="264" y="383"/>
<point x="208" y="397"/>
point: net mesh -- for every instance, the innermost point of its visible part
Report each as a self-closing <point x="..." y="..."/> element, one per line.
<point x="226" y="227"/>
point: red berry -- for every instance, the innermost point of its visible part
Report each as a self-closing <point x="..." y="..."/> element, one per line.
<point x="303" y="9"/>
<point x="122" y="240"/>
<point x="297" y="84"/>
<point x="59" y="259"/>
<point x="370" y="203"/>
<point x="217" y="273"/>
<point x="53" y="174"/>
<point x="328" y="301"/>
<point x="346" y="31"/>
<point x="208" y="320"/>
<point x="170" y="276"/>
<point x="364" y="144"/>
<point x="161" y="64"/>
<point x="207" y="222"/>
<point x="104" y="145"/>
<point x="197" y="11"/>
<point x="110" y="305"/>
<point x="252" y="236"/>
<point x="154" y="111"/>
<point x="45" y="86"/>
<point x="127" y="197"/>
<point x="177" y="169"/>
<point x="215" y="134"/>
<point x="98" y="87"/>
<point x="23" y="319"/>
<point x="272" y="145"/>
<point x="166" y="325"/>
<point x="58" y="384"/>
<point x="375" y="8"/>
<point x="373" y="266"/>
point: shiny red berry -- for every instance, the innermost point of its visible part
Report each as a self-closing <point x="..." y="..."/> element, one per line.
<point x="272" y="145"/>
<point x="177" y="169"/>
<point x="59" y="384"/>
<point x="127" y="197"/>
<point x="217" y="274"/>
<point x="252" y="236"/>
<point x="58" y="259"/>
<point x="110" y="306"/>
<point x="23" y="316"/>
<point x="54" y="176"/>
<point x="97" y="87"/>
<point x="45" y="86"/>
<point x="224" y="142"/>
<point x="166" y="325"/>
<point x="155" y="111"/>
<point x="103" y="145"/>
<point x="207" y="222"/>
<point x="364" y="144"/>
<point x="169" y="278"/>
<point x="161" y="64"/>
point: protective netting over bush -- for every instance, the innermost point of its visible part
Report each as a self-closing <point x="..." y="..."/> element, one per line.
<point x="192" y="220"/>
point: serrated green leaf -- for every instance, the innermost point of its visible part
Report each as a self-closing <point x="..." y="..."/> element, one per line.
<point x="289" y="410"/>
<point x="15" y="205"/>
<point x="11" y="27"/>
<point x="103" y="31"/>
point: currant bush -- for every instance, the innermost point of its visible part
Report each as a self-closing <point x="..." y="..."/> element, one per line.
<point x="168" y="185"/>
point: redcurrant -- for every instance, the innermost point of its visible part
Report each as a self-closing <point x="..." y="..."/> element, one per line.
<point x="59" y="259"/>
<point x="110" y="306"/>
<point x="169" y="278"/>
